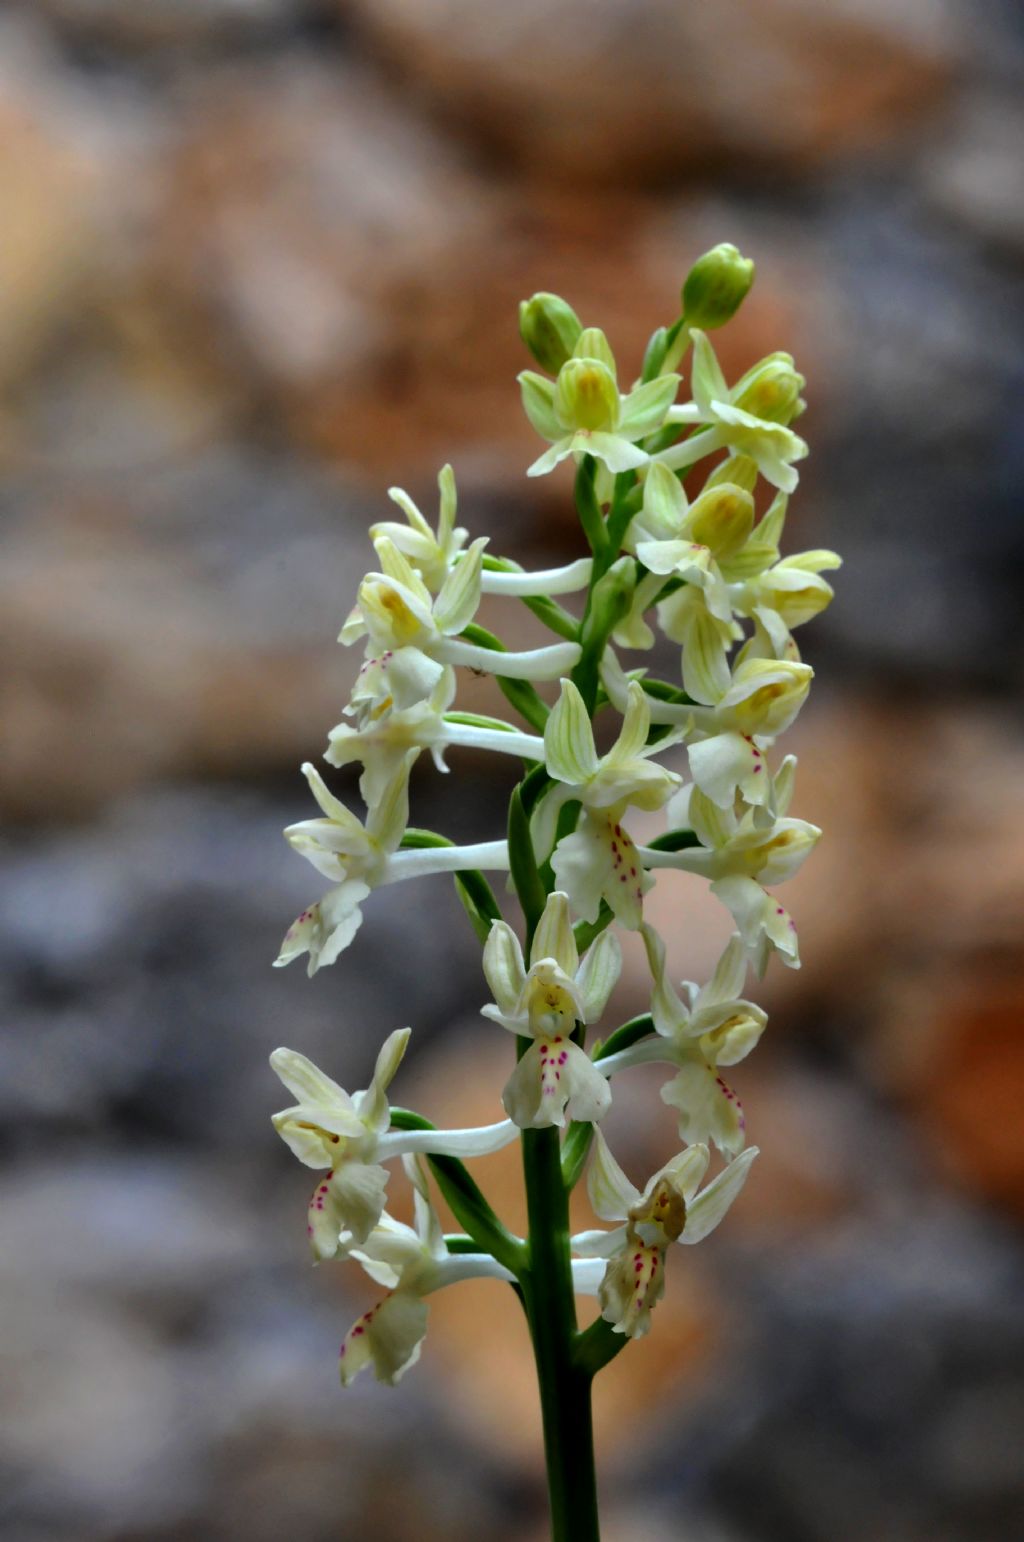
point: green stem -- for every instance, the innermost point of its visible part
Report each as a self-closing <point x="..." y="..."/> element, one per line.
<point x="564" y="1379"/>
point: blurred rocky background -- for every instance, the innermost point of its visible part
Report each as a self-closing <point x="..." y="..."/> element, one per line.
<point x="259" y="259"/>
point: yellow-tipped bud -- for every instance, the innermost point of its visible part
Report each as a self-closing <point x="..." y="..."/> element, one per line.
<point x="586" y="396"/>
<point x="549" y="327"/>
<point x="771" y="390"/>
<point x="721" y="519"/>
<point x="716" y="287"/>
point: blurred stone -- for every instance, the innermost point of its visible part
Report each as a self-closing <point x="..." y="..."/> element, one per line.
<point x="50" y="178"/>
<point x="367" y="278"/>
<point x="976" y="176"/>
<point x="122" y="25"/>
<point x="596" y="93"/>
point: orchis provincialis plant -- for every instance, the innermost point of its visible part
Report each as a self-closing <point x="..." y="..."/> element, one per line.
<point x="700" y="568"/>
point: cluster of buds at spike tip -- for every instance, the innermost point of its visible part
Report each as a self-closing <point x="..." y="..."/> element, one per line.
<point x="700" y="566"/>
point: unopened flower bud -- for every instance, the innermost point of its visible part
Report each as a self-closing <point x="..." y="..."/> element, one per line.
<point x="549" y="327"/>
<point x="586" y="395"/>
<point x="721" y="518"/>
<point x="716" y="287"/>
<point x="771" y="390"/>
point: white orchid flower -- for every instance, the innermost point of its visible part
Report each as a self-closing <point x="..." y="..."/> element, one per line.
<point x="387" y="735"/>
<point x="670" y="1209"/>
<point x="431" y="555"/>
<point x="727" y="746"/>
<point x="740" y="856"/>
<point x="544" y="1003"/>
<point x="405" y="623"/>
<point x="583" y="413"/>
<point x="787" y="594"/>
<point x="771" y="444"/>
<point x="361" y="858"/>
<point x="598" y="861"/>
<point x="717" y="1028"/>
<point x="410" y="1262"/>
<point x="726" y="743"/>
<point x="348" y="1134"/>
<point x="673" y="538"/>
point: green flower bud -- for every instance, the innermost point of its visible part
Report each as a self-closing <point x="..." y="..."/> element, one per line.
<point x="586" y="396"/>
<point x="716" y="287"/>
<point x="549" y="327"/>
<point x="771" y="390"/>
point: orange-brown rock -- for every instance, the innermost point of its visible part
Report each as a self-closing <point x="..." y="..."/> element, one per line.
<point x="600" y="92"/>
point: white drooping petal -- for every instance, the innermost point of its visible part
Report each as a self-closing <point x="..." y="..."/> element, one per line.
<point x="598" y="1243"/>
<point x="611" y="1193"/>
<point x="555" y="1078"/>
<point x="348" y="1201"/>
<point x="729" y="761"/>
<point x="613" y="449"/>
<point x="389" y="1337"/>
<point x="708" y="1108"/>
<point x="711" y="1204"/>
<point x="764" y="924"/>
<point x="633" y="1283"/>
<point x="325" y="929"/>
<point x="600" y="861"/>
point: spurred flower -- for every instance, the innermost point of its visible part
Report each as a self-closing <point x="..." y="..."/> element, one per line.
<point x="544" y="1003"/>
